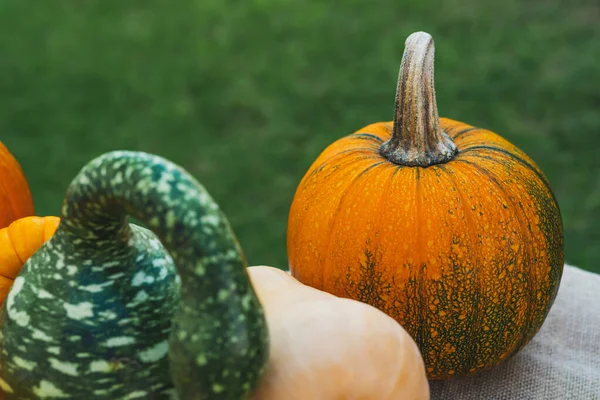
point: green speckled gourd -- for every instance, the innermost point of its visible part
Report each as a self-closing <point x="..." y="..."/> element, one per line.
<point x="103" y="311"/>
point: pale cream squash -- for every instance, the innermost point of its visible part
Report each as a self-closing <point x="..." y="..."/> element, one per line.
<point x="325" y="347"/>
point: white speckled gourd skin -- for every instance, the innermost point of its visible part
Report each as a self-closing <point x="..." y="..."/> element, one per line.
<point x="101" y="311"/>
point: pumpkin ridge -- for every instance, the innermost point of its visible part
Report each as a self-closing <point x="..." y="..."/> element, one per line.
<point x="306" y="190"/>
<point x="382" y="201"/>
<point x="528" y="166"/>
<point x="475" y="249"/>
<point x="552" y="239"/>
<point x="315" y="169"/>
<point x="14" y="248"/>
<point x="368" y="135"/>
<point x="2" y="273"/>
<point x="420" y="265"/>
<point x="464" y="131"/>
<point x="498" y="357"/>
<point x="527" y="256"/>
<point x="335" y="218"/>
<point x="301" y="215"/>
<point x="366" y="156"/>
<point x="352" y="150"/>
<point x="515" y="157"/>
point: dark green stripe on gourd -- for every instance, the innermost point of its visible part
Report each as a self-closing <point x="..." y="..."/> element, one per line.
<point x="101" y="311"/>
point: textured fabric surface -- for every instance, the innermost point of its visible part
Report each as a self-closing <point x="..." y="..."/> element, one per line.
<point x="562" y="362"/>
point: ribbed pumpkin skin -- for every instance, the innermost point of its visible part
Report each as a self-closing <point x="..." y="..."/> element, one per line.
<point x="18" y="242"/>
<point x="15" y="197"/>
<point x="467" y="255"/>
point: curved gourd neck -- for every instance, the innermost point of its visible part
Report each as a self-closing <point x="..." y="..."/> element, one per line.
<point x="417" y="138"/>
<point x="168" y="201"/>
<point x="217" y="299"/>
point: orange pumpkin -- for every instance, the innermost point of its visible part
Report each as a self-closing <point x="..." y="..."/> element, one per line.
<point x="18" y="242"/>
<point x="446" y="227"/>
<point x="15" y="197"/>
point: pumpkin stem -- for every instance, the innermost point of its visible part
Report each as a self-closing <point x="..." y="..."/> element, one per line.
<point x="417" y="138"/>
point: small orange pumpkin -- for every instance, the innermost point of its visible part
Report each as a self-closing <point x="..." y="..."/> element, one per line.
<point x="18" y="242"/>
<point x="15" y="198"/>
<point x="446" y="227"/>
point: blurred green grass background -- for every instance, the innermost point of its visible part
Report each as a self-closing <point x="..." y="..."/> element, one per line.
<point x="245" y="95"/>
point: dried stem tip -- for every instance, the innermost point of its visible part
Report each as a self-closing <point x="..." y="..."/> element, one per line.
<point x="417" y="138"/>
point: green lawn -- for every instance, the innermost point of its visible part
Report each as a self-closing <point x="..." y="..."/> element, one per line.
<point x="246" y="94"/>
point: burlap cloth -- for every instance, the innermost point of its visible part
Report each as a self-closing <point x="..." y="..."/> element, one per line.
<point x="562" y="362"/>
